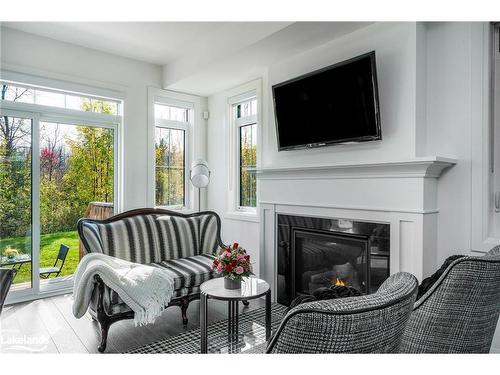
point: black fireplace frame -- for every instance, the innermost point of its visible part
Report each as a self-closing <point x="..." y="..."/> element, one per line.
<point x="330" y="235"/>
<point x="378" y="254"/>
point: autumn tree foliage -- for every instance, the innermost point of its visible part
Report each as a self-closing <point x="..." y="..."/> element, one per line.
<point x="76" y="168"/>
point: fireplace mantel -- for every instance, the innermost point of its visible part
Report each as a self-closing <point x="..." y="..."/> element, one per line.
<point x="429" y="167"/>
<point x="400" y="193"/>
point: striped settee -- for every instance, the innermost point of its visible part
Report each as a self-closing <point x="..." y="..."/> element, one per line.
<point x="181" y="244"/>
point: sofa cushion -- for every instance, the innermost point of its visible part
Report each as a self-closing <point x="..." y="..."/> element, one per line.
<point x="188" y="274"/>
<point x="190" y="271"/>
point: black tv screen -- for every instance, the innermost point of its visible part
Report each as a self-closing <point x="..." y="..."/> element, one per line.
<point x="336" y="104"/>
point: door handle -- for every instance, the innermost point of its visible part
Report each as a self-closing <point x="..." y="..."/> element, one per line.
<point x="497" y="201"/>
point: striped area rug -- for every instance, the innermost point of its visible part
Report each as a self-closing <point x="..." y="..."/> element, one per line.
<point x="252" y="331"/>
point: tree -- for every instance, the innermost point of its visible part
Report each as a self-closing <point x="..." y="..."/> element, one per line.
<point x="15" y="170"/>
<point x="169" y="162"/>
<point x="52" y="156"/>
<point x="248" y="160"/>
<point x="12" y="130"/>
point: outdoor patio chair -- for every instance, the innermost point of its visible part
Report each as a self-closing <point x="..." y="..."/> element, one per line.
<point x="55" y="269"/>
<point x="6" y="277"/>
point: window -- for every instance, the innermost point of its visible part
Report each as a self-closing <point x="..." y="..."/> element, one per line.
<point x="171" y="127"/>
<point x="53" y="98"/>
<point x="245" y="119"/>
<point x="58" y="160"/>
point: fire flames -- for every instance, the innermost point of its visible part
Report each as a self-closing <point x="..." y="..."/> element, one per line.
<point x="339" y="282"/>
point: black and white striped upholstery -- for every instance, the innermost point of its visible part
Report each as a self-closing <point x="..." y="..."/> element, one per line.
<point x="459" y="313"/>
<point x="190" y="271"/>
<point x="153" y="238"/>
<point x="182" y="244"/>
<point x="368" y="324"/>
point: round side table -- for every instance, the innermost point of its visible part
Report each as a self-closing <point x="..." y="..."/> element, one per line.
<point x="251" y="288"/>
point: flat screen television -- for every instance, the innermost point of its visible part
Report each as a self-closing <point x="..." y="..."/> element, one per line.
<point x="336" y="104"/>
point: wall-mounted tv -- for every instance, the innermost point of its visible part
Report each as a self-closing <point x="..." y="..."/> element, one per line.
<point x="336" y="104"/>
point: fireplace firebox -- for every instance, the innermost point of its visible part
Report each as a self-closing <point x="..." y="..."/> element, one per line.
<point x="315" y="253"/>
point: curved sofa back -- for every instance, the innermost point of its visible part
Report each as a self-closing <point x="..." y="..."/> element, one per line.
<point x="152" y="235"/>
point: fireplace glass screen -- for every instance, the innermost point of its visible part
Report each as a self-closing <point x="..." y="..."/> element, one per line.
<point x="316" y="253"/>
<point x="324" y="259"/>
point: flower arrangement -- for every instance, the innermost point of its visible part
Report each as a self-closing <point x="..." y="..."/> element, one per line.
<point x="233" y="262"/>
<point x="10" y="252"/>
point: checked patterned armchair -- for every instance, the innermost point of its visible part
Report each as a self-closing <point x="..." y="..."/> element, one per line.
<point x="181" y="244"/>
<point x="459" y="313"/>
<point x="368" y="324"/>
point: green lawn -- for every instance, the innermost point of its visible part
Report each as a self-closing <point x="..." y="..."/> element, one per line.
<point x="49" y="245"/>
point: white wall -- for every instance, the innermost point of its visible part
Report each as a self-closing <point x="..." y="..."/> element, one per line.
<point x="395" y="48"/>
<point x="454" y="69"/>
<point x="30" y="53"/>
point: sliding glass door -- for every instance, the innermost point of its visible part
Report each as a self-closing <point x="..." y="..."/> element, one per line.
<point x="18" y="190"/>
<point x="52" y="171"/>
<point x="76" y="171"/>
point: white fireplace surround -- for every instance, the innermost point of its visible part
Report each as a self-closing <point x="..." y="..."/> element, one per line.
<point x="402" y="194"/>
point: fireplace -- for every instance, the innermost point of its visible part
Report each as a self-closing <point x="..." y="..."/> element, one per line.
<point x="315" y="252"/>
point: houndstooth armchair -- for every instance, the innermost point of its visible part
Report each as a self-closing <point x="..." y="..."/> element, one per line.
<point x="368" y="324"/>
<point x="459" y="313"/>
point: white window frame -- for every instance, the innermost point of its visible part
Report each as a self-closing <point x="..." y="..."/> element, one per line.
<point x="178" y="125"/>
<point x="238" y="123"/>
<point x="194" y="140"/>
<point x="40" y="113"/>
<point x="248" y="91"/>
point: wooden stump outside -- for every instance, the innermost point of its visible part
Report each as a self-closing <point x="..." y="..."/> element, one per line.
<point x="98" y="211"/>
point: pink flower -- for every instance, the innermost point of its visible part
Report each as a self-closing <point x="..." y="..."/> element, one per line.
<point x="240" y="256"/>
<point x="239" y="270"/>
<point x="219" y="268"/>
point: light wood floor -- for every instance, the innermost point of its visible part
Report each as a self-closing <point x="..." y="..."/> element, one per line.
<point x="48" y="326"/>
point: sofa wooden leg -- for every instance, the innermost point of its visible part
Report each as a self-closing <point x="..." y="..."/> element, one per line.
<point x="104" y="336"/>
<point x="246" y="303"/>
<point x="184" y="307"/>
<point x="102" y="317"/>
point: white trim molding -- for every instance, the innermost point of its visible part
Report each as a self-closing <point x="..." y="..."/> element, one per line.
<point x="430" y="167"/>
<point x="481" y="101"/>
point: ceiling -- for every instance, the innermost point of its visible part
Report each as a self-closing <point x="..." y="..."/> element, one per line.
<point x="152" y="42"/>
<point x="200" y="58"/>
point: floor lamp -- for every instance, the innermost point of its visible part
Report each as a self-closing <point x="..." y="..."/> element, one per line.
<point x="200" y="177"/>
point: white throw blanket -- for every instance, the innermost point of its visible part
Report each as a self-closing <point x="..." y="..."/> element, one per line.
<point x="145" y="289"/>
